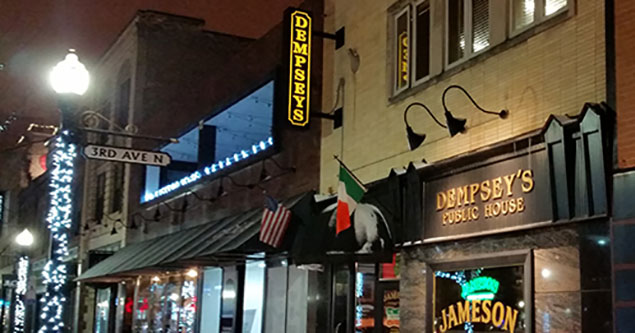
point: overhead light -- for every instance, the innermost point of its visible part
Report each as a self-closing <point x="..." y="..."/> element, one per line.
<point x="155" y="279"/>
<point x="192" y="273"/>
<point x="546" y="273"/>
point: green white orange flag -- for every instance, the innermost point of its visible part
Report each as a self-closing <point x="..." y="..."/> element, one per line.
<point x="349" y="193"/>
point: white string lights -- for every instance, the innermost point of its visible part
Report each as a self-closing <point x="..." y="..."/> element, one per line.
<point x="209" y="170"/>
<point x="59" y="221"/>
<point x="20" y="291"/>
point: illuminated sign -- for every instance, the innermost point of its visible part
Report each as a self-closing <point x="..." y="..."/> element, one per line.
<point x="476" y="311"/>
<point x="511" y="193"/>
<point x="403" y="59"/>
<point x="299" y="67"/>
<point x="480" y="288"/>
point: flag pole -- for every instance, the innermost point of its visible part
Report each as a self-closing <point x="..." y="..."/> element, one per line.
<point x="349" y="171"/>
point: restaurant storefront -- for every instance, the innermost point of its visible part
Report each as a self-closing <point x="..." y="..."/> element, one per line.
<point x="513" y="237"/>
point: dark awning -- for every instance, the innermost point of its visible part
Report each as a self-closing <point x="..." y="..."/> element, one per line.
<point x="210" y="244"/>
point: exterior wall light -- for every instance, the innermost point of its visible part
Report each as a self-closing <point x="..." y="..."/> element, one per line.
<point x="25" y="238"/>
<point x="416" y="139"/>
<point x="457" y="125"/>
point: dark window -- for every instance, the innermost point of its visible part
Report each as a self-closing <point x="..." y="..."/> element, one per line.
<point x="117" y="189"/>
<point x="422" y="35"/>
<point x="123" y="104"/>
<point x="100" y="194"/>
<point x="456" y="30"/>
<point x="1" y="209"/>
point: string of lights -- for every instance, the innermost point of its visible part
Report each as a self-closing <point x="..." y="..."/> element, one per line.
<point x="59" y="220"/>
<point x="20" y="291"/>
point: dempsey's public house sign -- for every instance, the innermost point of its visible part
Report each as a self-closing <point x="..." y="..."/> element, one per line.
<point x="299" y="24"/>
<point x="500" y="195"/>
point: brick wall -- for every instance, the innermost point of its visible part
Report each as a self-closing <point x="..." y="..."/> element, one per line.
<point x="554" y="71"/>
<point x="625" y="81"/>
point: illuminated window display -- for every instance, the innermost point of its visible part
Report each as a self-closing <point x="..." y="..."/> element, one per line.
<point x="166" y="304"/>
<point x="479" y="300"/>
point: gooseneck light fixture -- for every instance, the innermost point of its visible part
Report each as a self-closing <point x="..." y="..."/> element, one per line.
<point x="69" y="78"/>
<point x="457" y="125"/>
<point x="416" y="139"/>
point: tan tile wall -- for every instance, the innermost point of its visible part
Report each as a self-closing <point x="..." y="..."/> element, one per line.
<point x="552" y="72"/>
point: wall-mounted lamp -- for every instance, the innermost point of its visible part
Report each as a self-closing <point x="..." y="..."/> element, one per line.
<point x="416" y="139"/>
<point x="457" y="125"/>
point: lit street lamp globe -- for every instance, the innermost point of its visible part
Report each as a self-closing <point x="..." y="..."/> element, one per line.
<point x="25" y="238"/>
<point x="70" y="76"/>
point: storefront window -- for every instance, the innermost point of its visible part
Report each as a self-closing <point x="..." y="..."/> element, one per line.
<point x="187" y="314"/>
<point x="365" y="298"/>
<point x="254" y="296"/>
<point x="228" y="295"/>
<point x="210" y="299"/>
<point x="341" y="285"/>
<point x="390" y="306"/>
<point x="480" y="300"/>
<point x="102" y="310"/>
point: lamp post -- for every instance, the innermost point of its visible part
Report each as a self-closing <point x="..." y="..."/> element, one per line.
<point x="24" y="240"/>
<point x="69" y="78"/>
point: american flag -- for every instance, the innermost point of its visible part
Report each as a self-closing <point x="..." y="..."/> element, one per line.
<point x="275" y="221"/>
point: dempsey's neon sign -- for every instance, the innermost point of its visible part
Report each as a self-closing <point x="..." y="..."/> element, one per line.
<point x="299" y="68"/>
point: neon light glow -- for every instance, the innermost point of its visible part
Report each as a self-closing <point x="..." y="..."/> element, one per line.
<point x="209" y="170"/>
<point x="20" y="291"/>
<point x="482" y="287"/>
<point x="59" y="220"/>
<point x="359" y="291"/>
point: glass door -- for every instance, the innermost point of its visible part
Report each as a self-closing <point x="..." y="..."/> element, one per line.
<point x="388" y="303"/>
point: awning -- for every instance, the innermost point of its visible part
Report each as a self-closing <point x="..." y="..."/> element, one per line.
<point x="211" y="244"/>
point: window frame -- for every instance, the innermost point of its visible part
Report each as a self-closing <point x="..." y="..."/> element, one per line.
<point x="523" y="258"/>
<point x="413" y="67"/>
<point x="539" y="16"/>
<point x="407" y="10"/>
<point x="468" y="23"/>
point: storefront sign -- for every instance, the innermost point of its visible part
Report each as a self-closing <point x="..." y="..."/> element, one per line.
<point x="299" y="66"/>
<point x="485" y="312"/>
<point x="391" y="311"/>
<point x="498" y="196"/>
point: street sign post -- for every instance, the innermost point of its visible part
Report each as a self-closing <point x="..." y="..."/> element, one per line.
<point x="126" y="155"/>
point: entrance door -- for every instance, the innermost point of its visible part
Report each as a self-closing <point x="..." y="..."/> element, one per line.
<point x="387" y="302"/>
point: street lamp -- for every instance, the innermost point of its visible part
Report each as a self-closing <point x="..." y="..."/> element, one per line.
<point x="25" y="238"/>
<point x="69" y="78"/>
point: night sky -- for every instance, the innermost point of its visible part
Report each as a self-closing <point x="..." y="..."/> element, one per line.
<point x="35" y="34"/>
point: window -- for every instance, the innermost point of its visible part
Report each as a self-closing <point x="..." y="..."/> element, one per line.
<point x="409" y="72"/>
<point x="468" y="30"/>
<point x="422" y="41"/>
<point x="123" y="104"/>
<point x="527" y="12"/>
<point x="116" y="201"/>
<point x="100" y="196"/>
<point x="230" y="136"/>
<point x="253" y="301"/>
<point x="211" y="299"/>
<point x="480" y="299"/>
<point x="402" y="36"/>
<point x="1" y="209"/>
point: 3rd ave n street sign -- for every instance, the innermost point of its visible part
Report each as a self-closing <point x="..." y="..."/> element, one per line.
<point x="126" y="155"/>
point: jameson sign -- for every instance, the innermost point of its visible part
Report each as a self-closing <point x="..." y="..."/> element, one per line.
<point x="501" y="195"/>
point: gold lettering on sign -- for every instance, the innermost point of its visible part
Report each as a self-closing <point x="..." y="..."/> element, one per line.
<point x="458" y="204"/>
<point x="403" y="59"/>
<point x="299" y="68"/>
<point x="499" y="315"/>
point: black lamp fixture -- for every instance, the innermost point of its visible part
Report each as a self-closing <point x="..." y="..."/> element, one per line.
<point x="114" y="230"/>
<point x="415" y="139"/>
<point x="457" y="125"/>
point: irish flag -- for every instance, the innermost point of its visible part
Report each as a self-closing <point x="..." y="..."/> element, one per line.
<point x="349" y="193"/>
